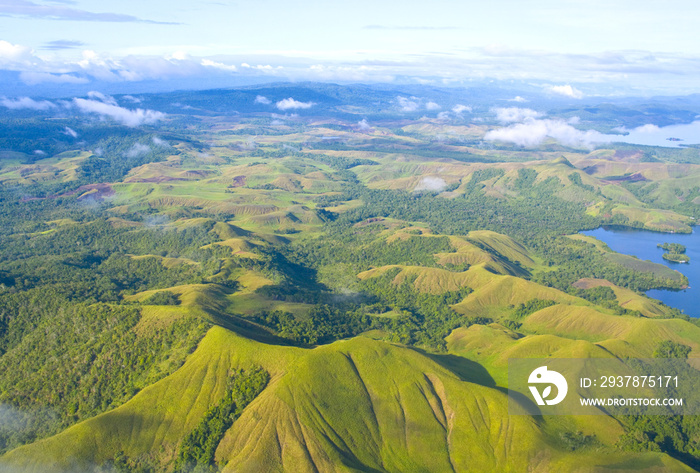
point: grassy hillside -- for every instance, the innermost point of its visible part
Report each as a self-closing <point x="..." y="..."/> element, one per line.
<point x="492" y="295"/>
<point x="333" y="407"/>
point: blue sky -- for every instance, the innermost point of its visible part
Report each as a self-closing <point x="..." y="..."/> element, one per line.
<point x="622" y="46"/>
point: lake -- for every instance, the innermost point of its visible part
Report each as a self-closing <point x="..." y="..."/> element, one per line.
<point x="642" y="244"/>
<point x="652" y="135"/>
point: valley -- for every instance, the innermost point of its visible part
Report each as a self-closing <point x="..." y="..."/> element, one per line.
<point x="235" y="290"/>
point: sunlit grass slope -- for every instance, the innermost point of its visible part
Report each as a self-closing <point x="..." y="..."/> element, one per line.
<point x="493" y="294"/>
<point x="157" y="418"/>
<point x="627" y="298"/>
<point x="502" y="245"/>
<point x="357" y="405"/>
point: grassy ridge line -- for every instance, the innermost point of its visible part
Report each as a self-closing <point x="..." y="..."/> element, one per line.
<point x="586" y="323"/>
<point x="492" y="295"/>
<point x="504" y="246"/>
<point x="356" y="405"/>
<point x="378" y="407"/>
<point x="158" y="417"/>
<point x="360" y="405"/>
<point x="563" y="331"/>
<point x="626" y="298"/>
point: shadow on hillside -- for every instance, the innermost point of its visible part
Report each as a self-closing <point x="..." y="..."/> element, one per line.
<point x="465" y="369"/>
<point x="249" y="330"/>
<point x="472" y="372"/>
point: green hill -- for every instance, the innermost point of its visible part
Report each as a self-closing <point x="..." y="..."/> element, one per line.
<point x="356" y="405"/>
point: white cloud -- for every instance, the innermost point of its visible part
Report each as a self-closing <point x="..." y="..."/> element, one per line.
<point x="260" y="67"/>
<point x="34" y="78"/>
<point x="432" y="106"/>
<point x="607" y="72"/>
<point x="343" y="73"/>
<point x="180" y="56"/>
<point x="443" y="116"/>
<point x="431" y="184"/>
<point x="95" y="95"/>
<point x="408" y="105"/>
<point x="138" y="68"/>
<point x="263" y="100"/>
<point x="39" y="152"/>
<point x="518" y="99"/>
<point x="290" y="104"/>
<point x="514" y="114"/>
<point x="13" y="53"/>
<point x="26" y="103"/>
<point x="534" y="132"/>
<point x="70" y="132"/>
<point x="218" y="65"/>
<point x="459" y="108"/>
<point x="132" y="99"/>
<point x="12" y="419"/>
<point x="131" y="118"/>
<point x="363" y="126"/>
<point x="160" y="142"/>
<point x="567" y="91"/>
<point x="648" y="128"/>
<point x="138" y="150"/>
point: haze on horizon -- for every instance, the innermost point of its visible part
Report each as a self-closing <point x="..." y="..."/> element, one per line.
<point x="602" y="48"/>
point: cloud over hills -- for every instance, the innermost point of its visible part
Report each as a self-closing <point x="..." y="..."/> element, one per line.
<point x="291" y="104"/>
<point x="26" y="103"/>
<point x="130" y="118"/>
<point x="591" y="73"/>
<point x="408" y="104"/>
<point x="97" y="103"/>
<point x="514" y="114"/>
<point x="567" y="91"/>
<point x="534" y="132"/>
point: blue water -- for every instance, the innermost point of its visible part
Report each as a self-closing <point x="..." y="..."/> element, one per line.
<point x="642" y="244"/>
<point x="651" y="135"/>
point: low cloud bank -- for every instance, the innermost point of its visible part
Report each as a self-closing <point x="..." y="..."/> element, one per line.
<point x="160" y="142"/>
<point x="97" y="102"/>
<point x="408" y="105"/>
<point x="125" y="116"/>
<point x="515" y="114"/>
<point x="435" y="184"/>
<point x="459" y="108"/>
<point x="364" y="126"/>
<point x="26" y="103"/>
<point x="415" y="104"/>
<point x="567" y="91"/>
<point x="533" y="133"/>
<point x="138" y="150"/>
<point x="291" y="104"/>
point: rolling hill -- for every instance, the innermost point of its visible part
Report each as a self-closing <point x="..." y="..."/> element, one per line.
<point x="231" y="290"/>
